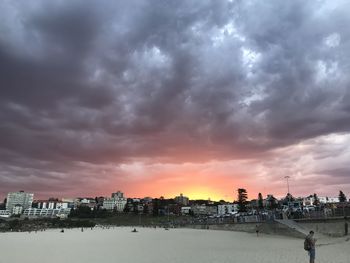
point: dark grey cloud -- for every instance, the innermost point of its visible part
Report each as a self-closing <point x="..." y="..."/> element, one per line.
<point x="112" y="82"/>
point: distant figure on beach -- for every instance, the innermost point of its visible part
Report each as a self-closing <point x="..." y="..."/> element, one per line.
<point x="257" y="230"/>
<point x="309" y="245"/>
<point x="346" y="230"/>
<point x="82" y="229"/>
<point x="134" y="231"/>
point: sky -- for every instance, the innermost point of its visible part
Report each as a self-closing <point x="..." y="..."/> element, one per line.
<point x="157" y="98"/>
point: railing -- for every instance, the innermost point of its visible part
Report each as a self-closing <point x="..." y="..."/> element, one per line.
<point x="323" y="214"/>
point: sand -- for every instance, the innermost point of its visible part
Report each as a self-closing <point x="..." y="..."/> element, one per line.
<point x="159" y="245"/>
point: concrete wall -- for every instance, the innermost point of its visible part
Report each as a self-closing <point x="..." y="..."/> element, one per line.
<point x="330" y="227"/>
<point x="265" y="228"/>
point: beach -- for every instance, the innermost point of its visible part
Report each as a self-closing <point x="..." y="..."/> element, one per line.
<point x="159" y="245"/>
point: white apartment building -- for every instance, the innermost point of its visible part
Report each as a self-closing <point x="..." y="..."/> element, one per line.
<point x="112" y="203"/>
<point x="227" y="209"/>
<point x="109" y="203"/>
<point x="117" y="202"/>
<point x="323" y="200"/>
<point x="52" y="204"/>
<point x="19" y="199"/>
<point x="120" y="204"/>
<point x="326" y="199"/>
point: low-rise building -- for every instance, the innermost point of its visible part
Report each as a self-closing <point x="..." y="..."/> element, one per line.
<point x="46" y="212"/>
<point x="203" y="209"/>
<point x="199" y="209"/>
<point x="185" y="210"/>
<point x="310" y="200"/>
<point x="227" y="209"/>
<point x="51" y="204"/>
<point x="147" y="200"/>
<point x="5" y="213"/>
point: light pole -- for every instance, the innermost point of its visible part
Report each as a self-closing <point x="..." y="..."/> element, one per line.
<point x="287" y="177"/>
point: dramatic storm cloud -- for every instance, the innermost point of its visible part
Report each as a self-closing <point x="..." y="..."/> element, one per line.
<point x="161" y="97"/>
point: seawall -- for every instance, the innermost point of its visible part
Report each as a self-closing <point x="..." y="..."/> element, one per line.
<point x="329" y="227"/>
<point x="335" y="227"/>
<point x="265" y="228"/>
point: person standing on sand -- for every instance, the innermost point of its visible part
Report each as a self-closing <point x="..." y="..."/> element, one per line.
<point x="312" y="241"/>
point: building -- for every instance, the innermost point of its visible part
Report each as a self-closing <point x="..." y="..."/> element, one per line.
<point x="19" y="199"/>
<point x="87" y="202"/>
<point x="46" y="212"/>
<point x="202" y="209"/>
<point x="227" y="209"/>
<point x="51" y="204"/>
<point x="147" y="200"/>
<point x="185" y="210"/>
<point x="139" y="208"/>
<point x="118" y="194"/>
<point x="310" y="200"/>
<point x="109" y="203"/>
<point x="182" y="200"/>
<point x="116" y="202"/>
<point x="17" y="210"/>
<point x="326" y="199"/>
<point x="5" y="213"/>
<point x="211" y="209"/>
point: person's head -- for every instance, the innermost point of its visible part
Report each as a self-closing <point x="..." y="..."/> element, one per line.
<point x="311" y="233"/>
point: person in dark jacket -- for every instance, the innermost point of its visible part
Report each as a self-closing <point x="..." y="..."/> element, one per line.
<point x="312" y="241"/>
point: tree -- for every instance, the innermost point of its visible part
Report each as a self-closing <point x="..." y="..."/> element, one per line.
<point x="260" y="201"/>
<point x="342" y="197"/>
<point x="3" y="205"/>
<point x="126" y="209"/>
<point x="242" y="199"/>
<point x="82" y="212"/>
<point x="316" y="200"/>
<point x="289" y="198"/>
<point x="271" y="202"/>
<point x="145" y="209"/>
<point x="136" y="207"/>
<point x="156" y="204"/>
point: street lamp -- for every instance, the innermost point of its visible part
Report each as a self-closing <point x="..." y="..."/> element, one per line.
<point x="287" y="178"/>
